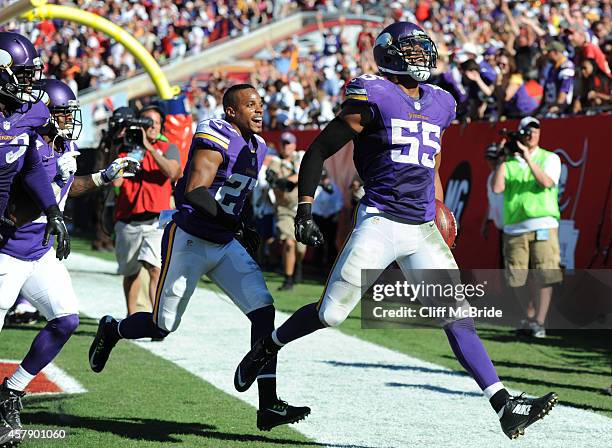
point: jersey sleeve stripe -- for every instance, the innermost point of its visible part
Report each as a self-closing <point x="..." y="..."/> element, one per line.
<point x="212" y="138"/>
<point x="356" y="97"/>
<point x="206" y="128"/>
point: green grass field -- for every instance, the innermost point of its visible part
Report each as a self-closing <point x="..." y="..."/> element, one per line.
<point x="170" y="406"/>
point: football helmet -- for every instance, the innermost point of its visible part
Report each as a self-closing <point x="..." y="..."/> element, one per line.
<point x="66" y="119"/>
<point x="20" y="69"/>
<point x="403" y="48"/>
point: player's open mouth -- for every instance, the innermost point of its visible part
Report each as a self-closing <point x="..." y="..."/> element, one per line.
<point x="258" y="120"/>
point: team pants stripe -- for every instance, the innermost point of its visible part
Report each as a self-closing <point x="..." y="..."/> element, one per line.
<point x="353" y="224"/>
<point x="162" y="277"/>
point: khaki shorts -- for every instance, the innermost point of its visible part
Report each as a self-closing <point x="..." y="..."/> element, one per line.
<point x="522" y="252"/>
<point x="285" y="225"/>
<point x="137" y="242"/>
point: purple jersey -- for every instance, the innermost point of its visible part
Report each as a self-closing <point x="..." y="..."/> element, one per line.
<point x="25" y="242"/>
<point x="394" y="154"/>
<point x="559" y="79"/>
<point x="18" y="151"/>
<point x="235" y="177"/>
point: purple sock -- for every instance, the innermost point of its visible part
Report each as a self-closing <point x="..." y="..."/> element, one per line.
<point x="304" y="321"/>
<point x="49" y="342"/>
<point x="140" y="325"/>
<point x="470" y="352"/>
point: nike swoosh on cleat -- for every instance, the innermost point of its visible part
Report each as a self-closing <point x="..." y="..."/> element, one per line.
<point x="282" y="414"/>
<point x="239" y="378"/>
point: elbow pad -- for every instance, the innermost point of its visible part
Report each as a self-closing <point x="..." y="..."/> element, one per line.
<point x="333" y="138"/>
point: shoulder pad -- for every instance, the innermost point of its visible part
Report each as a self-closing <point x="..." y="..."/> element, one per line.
<point x="214" y="131"/>
<point x="36" y="115"/>
<point x="362" y="87"/>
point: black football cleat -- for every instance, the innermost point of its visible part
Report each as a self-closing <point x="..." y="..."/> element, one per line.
<point x="280" y="413"/>
<point x="250" y="366"/>
<point x="10" y="418"/>
<point x="521" y="412"/>
<point x="102" y="345"/>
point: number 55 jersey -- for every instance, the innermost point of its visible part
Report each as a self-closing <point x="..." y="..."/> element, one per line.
<point x="395" y="153"/>
<point x="235" y="178"/>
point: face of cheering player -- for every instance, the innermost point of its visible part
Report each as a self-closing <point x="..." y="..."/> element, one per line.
<point x="247" y="113"/>
<point x="153" y="131"/>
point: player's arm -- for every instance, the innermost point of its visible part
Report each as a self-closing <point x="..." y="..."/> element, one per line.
<point x="437" y="181"/>
<point x="351" y="121"/>
<point x="37" y="183"/>
<point x="200" y="176"/>
<point x="120" y="168"/>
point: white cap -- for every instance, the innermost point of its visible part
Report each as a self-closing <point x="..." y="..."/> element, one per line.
<point x="529" y="121"/>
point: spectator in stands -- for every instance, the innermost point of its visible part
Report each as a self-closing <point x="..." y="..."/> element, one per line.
<point x="328" y="202"/>
<point x="138" y="205"/>
<point x="595" y="88"/>
<point x="529" y="182"/>
<point x="583" y="49"/>
<point x="557" y="79"/>
<point x="513" y="99"/>
<point x="282" y="175"/>
<point x="495" y="209"/>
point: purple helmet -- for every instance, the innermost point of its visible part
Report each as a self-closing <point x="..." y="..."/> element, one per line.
<point x="403" y="48"/>
<point x="20" y="68"/>
<point x="66" y="120"/>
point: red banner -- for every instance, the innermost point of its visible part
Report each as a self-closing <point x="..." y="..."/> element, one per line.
<point x="585" y="188"/>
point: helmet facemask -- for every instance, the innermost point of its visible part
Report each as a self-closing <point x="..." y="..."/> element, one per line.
<point x="67" y="121"/>
<point x="21" y="83"/>
<point x="417" y="51"/>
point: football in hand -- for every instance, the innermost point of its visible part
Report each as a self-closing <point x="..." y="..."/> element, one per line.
<point x="445" y="220"/>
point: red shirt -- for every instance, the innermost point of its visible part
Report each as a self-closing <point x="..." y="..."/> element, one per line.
<point x="149" y="191"/>
<point x="592" y="51"/>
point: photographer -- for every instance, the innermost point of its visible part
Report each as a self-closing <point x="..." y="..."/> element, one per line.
<point x="282" y="175"/>
<point x="528" y="178"/>
<point x="141" y="199"/>
<point x="328" y="202"/>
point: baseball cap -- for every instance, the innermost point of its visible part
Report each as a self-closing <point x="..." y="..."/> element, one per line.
<point x="555" y="45"/>
<point x="288" y="137"/>
<point x="529" y="122"/>
<point x="124" y="112"/>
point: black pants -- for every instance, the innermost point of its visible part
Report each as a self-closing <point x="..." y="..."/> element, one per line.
<point x="326" y="255"/>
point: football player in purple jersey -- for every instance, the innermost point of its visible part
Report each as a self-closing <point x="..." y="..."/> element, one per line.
<point x="20" y="113"/>
<point x="395" y="122"/>
<point x="203" y="239"/>
<point x="32" y="270"/>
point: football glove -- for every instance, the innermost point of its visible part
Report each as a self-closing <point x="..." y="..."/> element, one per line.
<point x="6" y="222"/>
<point x="121" y="167"/>
<point x="306" y="230"/>
<point x="66" y="165"/>
<point x="56" y="226"/>
<point x="249" y="238"/>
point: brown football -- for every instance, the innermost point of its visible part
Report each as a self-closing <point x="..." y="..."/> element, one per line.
<point x="445" y="220"/>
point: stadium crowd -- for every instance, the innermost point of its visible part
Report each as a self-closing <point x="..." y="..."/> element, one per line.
<point x="499" y="59"/>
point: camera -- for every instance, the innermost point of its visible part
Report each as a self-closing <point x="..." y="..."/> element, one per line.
<point x="282" y="184"/>
<point x="511" y="147"/>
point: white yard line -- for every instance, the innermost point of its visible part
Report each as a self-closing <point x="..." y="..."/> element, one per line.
<point x="361" y="394"/>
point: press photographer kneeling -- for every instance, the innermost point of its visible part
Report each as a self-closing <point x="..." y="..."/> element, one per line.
<point x="528" y="177"/>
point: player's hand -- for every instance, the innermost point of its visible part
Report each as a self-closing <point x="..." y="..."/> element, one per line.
<point x="306" y="230"/>
<point x="121" y="167"/>
<point x="249" y="238"/>
<point x="67" y="165"/>
<point x="6" y="222"/>
<point x="56" y="226"/>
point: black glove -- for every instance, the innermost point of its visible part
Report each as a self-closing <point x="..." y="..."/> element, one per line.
<point x="56" y="226"/>
<point x="249" y="238"/>
<point x="306" y="230"/>
<point x="6" y="222"/>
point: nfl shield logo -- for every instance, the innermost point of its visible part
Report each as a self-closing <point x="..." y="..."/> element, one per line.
<point x="6" y="125"/>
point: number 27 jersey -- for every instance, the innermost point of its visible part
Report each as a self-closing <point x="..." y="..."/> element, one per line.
<point x="395" y="153"/>
<point x="235" y="178"/>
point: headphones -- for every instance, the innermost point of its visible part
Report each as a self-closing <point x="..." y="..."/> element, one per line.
<point x="157" y="109"/>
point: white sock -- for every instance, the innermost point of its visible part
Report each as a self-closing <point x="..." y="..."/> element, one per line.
<point x="20" y="379"/>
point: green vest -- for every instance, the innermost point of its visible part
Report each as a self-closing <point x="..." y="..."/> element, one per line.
<point x="524" y="198"/>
